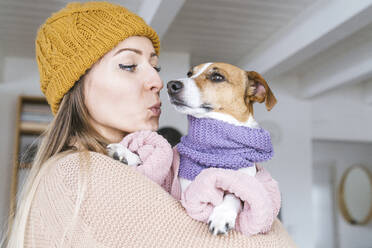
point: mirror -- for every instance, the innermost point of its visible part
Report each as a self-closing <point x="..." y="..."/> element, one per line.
<point x="355" y="195"/>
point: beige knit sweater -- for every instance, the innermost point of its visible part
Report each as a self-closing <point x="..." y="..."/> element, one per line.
<point x="122" y="208"/>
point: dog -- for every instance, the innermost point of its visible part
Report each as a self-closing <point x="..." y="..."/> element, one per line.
<point x="227" y="93"/>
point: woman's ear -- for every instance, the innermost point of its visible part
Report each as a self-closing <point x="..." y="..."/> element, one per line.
<point x="258" y="90"/>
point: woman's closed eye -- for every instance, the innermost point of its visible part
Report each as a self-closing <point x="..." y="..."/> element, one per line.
<point x="157" y="68"/>
<point x="132" y="68"/>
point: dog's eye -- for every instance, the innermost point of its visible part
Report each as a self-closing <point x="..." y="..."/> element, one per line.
<point x="189" y="74"/>
<point x="216" y="77"/>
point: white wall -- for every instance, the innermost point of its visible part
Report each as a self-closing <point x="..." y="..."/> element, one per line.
<point x="20" y="76"/>
<point x="342" y="114"/>
<point x="2" y="58"/>
<point x="337" y="156"/>
<point x="174" y="66"/>
<point x="324" y="204"/>
<point x="20" y="70"/>
<point x="341" y="127"/>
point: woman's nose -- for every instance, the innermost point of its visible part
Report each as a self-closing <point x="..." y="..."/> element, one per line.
<point x="154" y="82"/>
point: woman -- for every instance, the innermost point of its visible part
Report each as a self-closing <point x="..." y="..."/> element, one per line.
<point x="98" y="65"/>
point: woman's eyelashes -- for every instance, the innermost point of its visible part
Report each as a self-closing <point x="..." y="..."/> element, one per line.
<point x="128" y="67"/>
<point x="132" y="68"/>
<point x="157" y="68"/>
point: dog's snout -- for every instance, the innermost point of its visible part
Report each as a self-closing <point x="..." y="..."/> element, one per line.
<point x="174" y="87"/>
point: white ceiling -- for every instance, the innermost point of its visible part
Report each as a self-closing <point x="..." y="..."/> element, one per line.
<point x="347" y="62"/>
<point x="340" y="49"/>
<point x="209" y="29"/>
<point x="220" y="30"/>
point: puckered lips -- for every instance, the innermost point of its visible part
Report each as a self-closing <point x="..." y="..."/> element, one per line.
<point x="156" y="109"/>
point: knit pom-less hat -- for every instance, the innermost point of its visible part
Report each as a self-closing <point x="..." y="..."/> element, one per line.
<point x="74" y="38"/>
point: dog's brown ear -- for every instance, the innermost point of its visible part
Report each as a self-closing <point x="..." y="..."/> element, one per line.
<point x="259" y="91"/>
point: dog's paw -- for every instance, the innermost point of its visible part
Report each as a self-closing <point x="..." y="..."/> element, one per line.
<point x="123" y="154"/>
<point x="222" y="220"/>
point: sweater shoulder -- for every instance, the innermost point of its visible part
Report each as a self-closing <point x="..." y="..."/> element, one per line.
<point x="72" y="160"/>
<point x="69" y="167"/>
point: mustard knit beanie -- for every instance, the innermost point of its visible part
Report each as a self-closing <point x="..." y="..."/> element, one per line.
<point x="74" y="38"/>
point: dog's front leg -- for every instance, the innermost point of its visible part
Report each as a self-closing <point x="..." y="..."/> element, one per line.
<point x="119" y="152"/>
<point x="224" y="215"/>
<point x="184" y="183"/>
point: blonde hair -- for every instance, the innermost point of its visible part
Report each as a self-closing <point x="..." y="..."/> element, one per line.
<point x="69" y="127"/>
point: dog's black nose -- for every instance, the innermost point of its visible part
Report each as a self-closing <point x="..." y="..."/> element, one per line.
<point x="174" y="87"/>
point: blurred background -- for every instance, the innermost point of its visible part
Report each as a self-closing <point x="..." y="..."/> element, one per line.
<point x="317" y="59"/>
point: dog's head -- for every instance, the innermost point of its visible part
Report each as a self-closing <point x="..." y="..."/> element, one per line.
<point x="221" y="88"/>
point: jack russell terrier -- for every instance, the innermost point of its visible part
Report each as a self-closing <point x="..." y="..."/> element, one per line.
<point x="218" y="99"/>
<point x="222" y="92"/>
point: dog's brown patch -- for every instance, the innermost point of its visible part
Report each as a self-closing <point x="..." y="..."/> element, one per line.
<point x="226" y="97"/>
<point x="235" y="94"/>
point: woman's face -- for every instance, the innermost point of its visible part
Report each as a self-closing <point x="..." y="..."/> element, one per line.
<point x="122" y="89"/>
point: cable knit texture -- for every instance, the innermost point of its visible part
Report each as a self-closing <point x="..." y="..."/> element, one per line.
<point x="123" y="208"/>
<point x="215" y="143"/>
<point x="74" y="38"/>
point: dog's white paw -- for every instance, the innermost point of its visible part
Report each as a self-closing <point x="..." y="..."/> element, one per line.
<point x="222" y="220"/>
<point x="123" y="154"/>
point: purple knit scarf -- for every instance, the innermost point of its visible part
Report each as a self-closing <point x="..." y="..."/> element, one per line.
<point x="215" y="143"/>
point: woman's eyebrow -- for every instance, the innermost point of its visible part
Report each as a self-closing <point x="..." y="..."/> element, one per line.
<point x="134" y="50"/>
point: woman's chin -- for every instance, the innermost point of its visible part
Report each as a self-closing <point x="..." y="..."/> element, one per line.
<point x="155" y="127"/>
<point x="149" y="124"/>
<point x="152" y="125"/>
